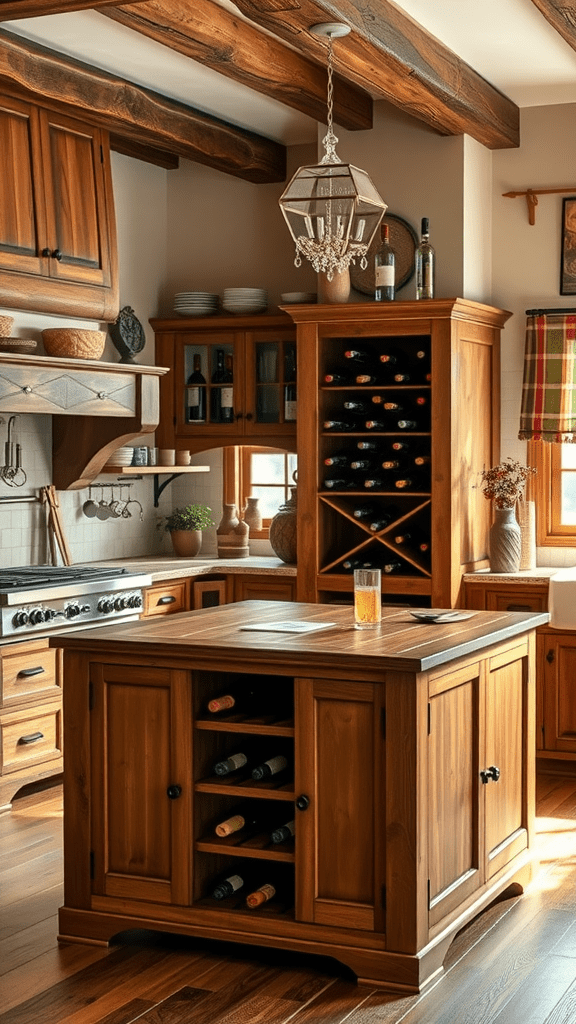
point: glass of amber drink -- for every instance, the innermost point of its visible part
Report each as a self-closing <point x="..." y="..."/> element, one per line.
<point x="367" y="598"/>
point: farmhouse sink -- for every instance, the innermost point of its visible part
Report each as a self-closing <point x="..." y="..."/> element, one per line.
<point x="562" y="599"/>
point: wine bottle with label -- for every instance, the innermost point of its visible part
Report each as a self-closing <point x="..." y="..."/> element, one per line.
<point x="425" y="260"/>
<point x="247" y="816"/>
<point x="269" y="768"/>
<point x="196" y="393"/>
<point x="283" y="833"/>
<point x="227" y="395"/>
<point x="384" y="268"/>
<point x="290" y="385"/>
<point x="217" y="380"/>
<point x="230" y="764"/>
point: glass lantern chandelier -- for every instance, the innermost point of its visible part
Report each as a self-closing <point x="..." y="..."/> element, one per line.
<point x="332" y="209"/>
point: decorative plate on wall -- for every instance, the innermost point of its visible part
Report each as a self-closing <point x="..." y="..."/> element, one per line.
<point x="403" y="240"/>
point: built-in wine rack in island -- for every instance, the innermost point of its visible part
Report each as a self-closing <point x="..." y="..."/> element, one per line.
<point x="398" y="415"/>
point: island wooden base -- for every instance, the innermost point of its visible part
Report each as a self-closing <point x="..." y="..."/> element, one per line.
<point x="409" y="775"/>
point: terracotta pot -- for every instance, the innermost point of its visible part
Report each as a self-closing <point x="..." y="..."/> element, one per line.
<point x="283" y="530"/>
<point x="186" y="543"/>
<point x="252" y="514"/>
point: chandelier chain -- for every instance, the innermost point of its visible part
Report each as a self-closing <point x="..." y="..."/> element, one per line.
<point x="329" y="141"/>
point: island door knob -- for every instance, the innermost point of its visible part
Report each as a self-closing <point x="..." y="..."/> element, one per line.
<point x="302" y="802"/>
<point x="490" y="774"/>
<point x="57" y="255"/>
<point x="173" y="792"/>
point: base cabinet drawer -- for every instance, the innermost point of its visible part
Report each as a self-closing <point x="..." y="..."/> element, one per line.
<point x="28" y="675"/>
<point x="264" y="588"/>
<point x="166" y="598"/>
<point x="30" y="736"/>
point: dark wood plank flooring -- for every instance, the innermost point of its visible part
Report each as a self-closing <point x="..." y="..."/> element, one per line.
<point x="515" y="964"/>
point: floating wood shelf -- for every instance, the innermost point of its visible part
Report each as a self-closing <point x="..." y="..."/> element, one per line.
<point x="156" y="472"/>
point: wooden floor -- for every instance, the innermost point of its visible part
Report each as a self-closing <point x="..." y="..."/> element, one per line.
<point x="516" y="964"/>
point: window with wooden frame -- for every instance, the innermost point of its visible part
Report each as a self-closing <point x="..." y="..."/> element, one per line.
<point x="264" y="473"/>
<point x="553" y="488"/>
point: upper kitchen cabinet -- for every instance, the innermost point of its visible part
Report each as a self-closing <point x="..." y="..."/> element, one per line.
<point x="57" y="228"/>
<point x="233" y="382"/>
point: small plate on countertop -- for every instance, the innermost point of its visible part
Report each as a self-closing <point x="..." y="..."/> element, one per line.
<point x="440" y="614"/>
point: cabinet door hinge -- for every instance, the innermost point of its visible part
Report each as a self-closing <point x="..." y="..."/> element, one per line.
<point x="90" y="696"/>
<point x="92" y="864"/>
<point x="383" y="722"/>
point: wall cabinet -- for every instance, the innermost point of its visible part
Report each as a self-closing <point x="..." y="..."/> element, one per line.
<point x="256" y="407"/>
<point x="57" y="233"/>
<point x="30" y="715"/>
<point x="411" y="792"/>
<point x="410" y="391"/>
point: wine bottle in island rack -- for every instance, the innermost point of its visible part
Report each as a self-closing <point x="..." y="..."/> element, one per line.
<point x="250" y="816"/>
<point x="196" y="393"/>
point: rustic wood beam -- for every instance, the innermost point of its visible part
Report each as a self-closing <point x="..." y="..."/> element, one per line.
<point x="129" y="147"/>
<point x="12" y="9"/>
<point x="393" y="58"/>
<point x="561" y="14"/>
<point x="139" y="114"/>
<point x="213" y="36"/>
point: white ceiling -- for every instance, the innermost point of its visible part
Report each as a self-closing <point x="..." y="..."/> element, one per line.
<point x="507" y="41"/>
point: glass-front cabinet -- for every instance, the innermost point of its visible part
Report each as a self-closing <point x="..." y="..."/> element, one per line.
<point x="233" y="380"/>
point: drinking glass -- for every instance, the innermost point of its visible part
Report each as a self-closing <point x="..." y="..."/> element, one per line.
<point x="367" y="598"/>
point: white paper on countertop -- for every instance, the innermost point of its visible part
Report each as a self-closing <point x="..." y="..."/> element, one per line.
<point x="295" y="626"/>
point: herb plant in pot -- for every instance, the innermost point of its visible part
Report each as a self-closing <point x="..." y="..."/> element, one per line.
<point x="185" y="526"/>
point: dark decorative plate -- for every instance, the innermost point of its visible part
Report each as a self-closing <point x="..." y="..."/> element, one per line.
<point x="127" y="334"/>
<point x="403" y="240"/>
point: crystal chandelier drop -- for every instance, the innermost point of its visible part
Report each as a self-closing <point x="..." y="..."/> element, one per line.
<point x="332" y="209"/>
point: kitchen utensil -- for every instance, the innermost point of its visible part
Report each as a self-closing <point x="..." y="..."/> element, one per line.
<point x="90" y="507"/>
<point x="102" y="511"/>
<point x="55" y="525"/>
<point x="134" y="501"/>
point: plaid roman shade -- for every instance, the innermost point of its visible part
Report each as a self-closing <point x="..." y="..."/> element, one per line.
<point x="549" y="391"/>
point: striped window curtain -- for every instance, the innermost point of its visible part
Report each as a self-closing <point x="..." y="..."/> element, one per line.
<point x="549" y="391"/>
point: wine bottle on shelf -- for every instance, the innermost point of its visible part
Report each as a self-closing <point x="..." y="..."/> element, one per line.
<point x="422" y="401"/>
<point x="231" y="883"/>
<point x="290" y="385"/>
<point x="267" y="769"/>
<point x="386" y="404"/>
<point x="401" y="446"/>
<point x="338" y="459"/>
<point x="245" y="816"/>
<point x="266" y="890"/>
<point x="338" y="379"/>
<point x="391" y="464"/>
<point x="391" y="567"/>
<point x="361" y="464"/>
<point x="402" y="378"/>
<point x="237" y="700"/>
<point x="425" y="259"/>
<point x="407" y="425"/>
<point x="357" y="563"/>
<point x="343" y="425"/>
<point x="227" y="395"/>
<point x="408" y="483"/>
<point x="283" y="833"/>
<point x="338" y="483"/>
<point x="377" y="483"/>
<point x="380" y="523"/>
<point x="414" y="538"/>
<point x="369" y="446"/>
<point x="216" y="392"/>
<point x="380" y="425"/>
<point x="390" y="358"/>
<point x="356" y="407"/>
<point x="357" y="355"/>
<point x="367" y="378"/>
<point x="384" y="268"/>
<point x="422" y="460"/>
<point x="363" y="511"/>
<point x="231" y="764"/>
<point x="196" y="392"/>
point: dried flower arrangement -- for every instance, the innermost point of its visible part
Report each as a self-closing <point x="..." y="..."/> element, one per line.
<point x="504" y="484"/>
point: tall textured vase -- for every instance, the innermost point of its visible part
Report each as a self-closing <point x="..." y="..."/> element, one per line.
<point x="526" y="515"/>
<point x="505" y="541"/>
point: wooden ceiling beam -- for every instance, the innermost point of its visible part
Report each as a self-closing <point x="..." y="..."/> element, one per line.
<point x="10" y="10"/>
<point x="211" y="35"/>
<point x="561" y="14"/>
<point x="147" y="118"/>
<point x="393" y="58"/>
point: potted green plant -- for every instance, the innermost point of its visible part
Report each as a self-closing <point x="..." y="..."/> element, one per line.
<point x="185" y="526"/>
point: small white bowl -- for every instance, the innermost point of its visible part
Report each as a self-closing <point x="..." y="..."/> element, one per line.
<point x="291" y="297"/>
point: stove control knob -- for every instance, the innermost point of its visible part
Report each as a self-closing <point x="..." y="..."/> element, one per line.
<point x="49" y="614"/>
<point x="120" y="604"/>
<point x="135" y="601"/>
<point x="20" y="619"/>
<point x="105" y="605"/>
<point x="72" y="610"/>
<point x="36" y="616"/>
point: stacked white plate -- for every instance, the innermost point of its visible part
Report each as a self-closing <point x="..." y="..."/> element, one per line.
<point x="195" y="303"/>
<point x="245" y="300"/>
<point x="121" y="457"/>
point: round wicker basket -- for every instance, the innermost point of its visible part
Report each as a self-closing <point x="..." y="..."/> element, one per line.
<point x="74" y="343"/>
<point x="6" y="326"/>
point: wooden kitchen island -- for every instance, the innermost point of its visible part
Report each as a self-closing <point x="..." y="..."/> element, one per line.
<point x="410" y="777"/>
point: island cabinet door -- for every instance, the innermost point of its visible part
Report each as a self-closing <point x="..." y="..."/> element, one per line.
<point x="507" y="771"/>
<point x="141" y="783"/>
<point x="339" y="800"/>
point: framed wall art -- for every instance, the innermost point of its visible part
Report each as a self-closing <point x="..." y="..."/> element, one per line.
<point x="568" y="253"/>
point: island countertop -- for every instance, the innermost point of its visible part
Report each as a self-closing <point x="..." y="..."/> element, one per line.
<point x="400" y="642"/>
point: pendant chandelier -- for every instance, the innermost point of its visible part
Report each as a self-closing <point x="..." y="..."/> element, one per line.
<point x="332" y="209"/>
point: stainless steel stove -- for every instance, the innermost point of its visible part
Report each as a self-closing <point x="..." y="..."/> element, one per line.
<point x="46" y="598"/>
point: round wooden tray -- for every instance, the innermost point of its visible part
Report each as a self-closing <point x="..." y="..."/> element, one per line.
<point x="403" y="240"/>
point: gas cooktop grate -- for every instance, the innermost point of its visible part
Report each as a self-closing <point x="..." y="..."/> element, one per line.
<point x="51" y="575"/>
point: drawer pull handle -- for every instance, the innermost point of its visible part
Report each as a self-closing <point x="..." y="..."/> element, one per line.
<point x="518" y="608"/>
<point x="486" y="774"/>
<point x="169" y="599"/>
<point x="550" y="656"/>
<point x="25" y="672"/>
<point x="32" y="737"/>
<point x="173" y="792"/>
